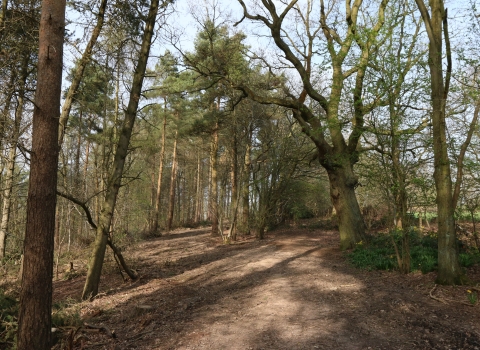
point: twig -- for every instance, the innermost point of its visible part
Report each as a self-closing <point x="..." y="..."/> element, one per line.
<point x="119" y="267"/>
<point x="71" y="337"/>
<point x="435" y="298"/>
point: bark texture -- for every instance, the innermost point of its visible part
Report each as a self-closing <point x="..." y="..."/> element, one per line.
<point x="350" y="220"/>
<point x="34" y="325"/>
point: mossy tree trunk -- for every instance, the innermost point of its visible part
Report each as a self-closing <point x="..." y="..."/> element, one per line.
<point x="342" y="192"/>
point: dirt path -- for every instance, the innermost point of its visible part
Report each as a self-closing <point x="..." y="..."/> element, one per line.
<point x="293" y="290"/>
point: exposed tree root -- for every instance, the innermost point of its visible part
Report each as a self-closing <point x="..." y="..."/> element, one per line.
<point x="445" y="300"/>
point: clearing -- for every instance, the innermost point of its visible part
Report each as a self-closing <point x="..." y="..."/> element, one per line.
<point x="293" y="290"/>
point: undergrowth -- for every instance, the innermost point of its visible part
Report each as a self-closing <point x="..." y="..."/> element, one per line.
<point x="379" y="253"/>
<point x="8" y="320"/>
<point x="64" y="314"/>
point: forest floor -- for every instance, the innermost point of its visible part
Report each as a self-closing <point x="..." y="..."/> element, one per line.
<point x="293" y="290"/>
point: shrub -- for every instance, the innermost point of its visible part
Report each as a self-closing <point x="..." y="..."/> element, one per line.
<point x="372" y="258"/>
<point x="424" y="258"/>
<point x="468" y="259"/>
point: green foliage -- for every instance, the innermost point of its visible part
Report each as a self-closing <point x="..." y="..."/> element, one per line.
<point x="469" y="259"/>
<point x="8" y="318"/>
<point x="379" y="253"/>
<point x="472" y="297"/>
<point x="424" y="258"/>
<point x="464" y="215"/>
<point x="218" y="53"/>
<point x="373" y="257"/>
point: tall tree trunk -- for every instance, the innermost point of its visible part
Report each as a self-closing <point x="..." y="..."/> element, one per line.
<point x="153" y="195"/>
<point x="342" y="192"/>
<point x="80" y="68"/>
<point x="246" y="186"/>
<point x="399" y="190"/>
<point x="214" y="181"/>
<point x="76" y="184"/>
<point x="98" y="181"/>
<point x="449" y="271"/>
<point x="182" y="200"/>
<point x="78" y="152"/>
<point x="85" y="166"/>
<point x="199" y="190"/>
<point x="35" y="317"/>
<point x="12" y="155"/>
<point x="116" y="114"/>
<point x="173" y="178"/>
<point x="96" y="260"/>
<point x="156" y="215"/>
<point x="234" y="196"/>
<point x="400" y="197"/>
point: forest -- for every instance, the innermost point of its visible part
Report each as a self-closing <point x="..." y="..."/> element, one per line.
<point x="209" y="157"/>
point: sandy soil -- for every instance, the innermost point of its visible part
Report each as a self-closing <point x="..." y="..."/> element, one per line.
<point x="293" y="290"/>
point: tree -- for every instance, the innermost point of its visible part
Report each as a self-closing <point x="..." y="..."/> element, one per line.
<point x="34" y="326"/>
<point x="115" y="177"/>
<point x="166" y="79"/>
<point x="321" y="114"/>
<point x="215" y="51"/>
<point x="436" y="24"/>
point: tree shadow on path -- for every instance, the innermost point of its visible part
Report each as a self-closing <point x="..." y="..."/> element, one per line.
<point x="292" y="291"/>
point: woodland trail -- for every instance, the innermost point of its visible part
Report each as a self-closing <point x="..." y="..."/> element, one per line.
<point x="293" y="290"/>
